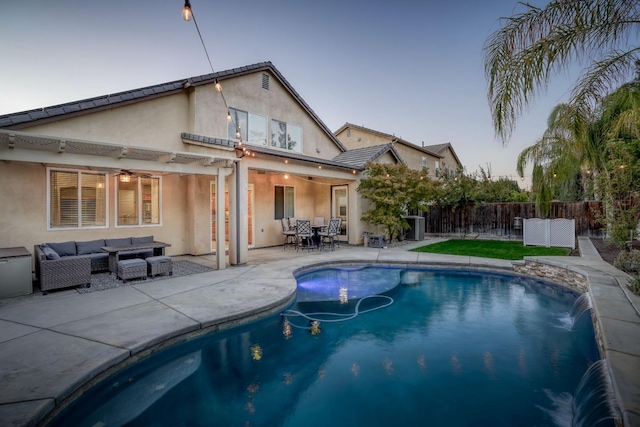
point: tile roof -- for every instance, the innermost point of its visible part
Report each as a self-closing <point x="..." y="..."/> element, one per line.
<point x="32" y="117"/>
<point x="359" y="157"/>
<point x="439" y="148"/>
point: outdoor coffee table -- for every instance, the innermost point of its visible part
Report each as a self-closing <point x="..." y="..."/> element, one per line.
<point x="114" y="251"/>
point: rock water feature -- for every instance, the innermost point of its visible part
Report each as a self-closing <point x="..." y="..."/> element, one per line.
<point x="593" y="403"/>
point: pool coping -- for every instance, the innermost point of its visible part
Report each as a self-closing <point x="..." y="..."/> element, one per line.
<point x="52" y="348"/>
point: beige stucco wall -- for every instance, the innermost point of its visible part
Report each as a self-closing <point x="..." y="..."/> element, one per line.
<point x="156" y="123"/>
<point x="246" y="93"/>
<point x="449" y="161"/>
<point x="358" y="138"/>
<point x="413" y="158"/>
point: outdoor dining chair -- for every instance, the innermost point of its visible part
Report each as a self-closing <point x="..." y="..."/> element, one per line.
<point x="329" y="234"/>
<point x="289" y="234"/>
<point x="304" y="235"/>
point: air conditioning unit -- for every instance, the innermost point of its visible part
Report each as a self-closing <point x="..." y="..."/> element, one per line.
<point x="416" y="230"/>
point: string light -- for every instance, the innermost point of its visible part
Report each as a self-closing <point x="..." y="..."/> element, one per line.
<point x="188" y="15"/>
<point x="186" y="11"/>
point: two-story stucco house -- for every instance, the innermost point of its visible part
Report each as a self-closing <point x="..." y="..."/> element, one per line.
<point x="437" y="159"/>
<point x="168" y="160"/>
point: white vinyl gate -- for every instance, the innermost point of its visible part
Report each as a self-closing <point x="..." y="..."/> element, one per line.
<point x="549" y="232"/>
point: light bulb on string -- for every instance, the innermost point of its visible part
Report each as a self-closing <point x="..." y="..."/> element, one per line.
<point x="187" y="13"/>
<point x="218" y="86"/>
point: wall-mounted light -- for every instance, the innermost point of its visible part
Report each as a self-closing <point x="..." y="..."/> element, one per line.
<point x="187" y="14"/>
<point x="286" y="176"/>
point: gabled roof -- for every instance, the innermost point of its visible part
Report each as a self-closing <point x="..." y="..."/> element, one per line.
<point x="91" y="105"/>
<point x="359" y="157"/>
<point x="390" y="137"/>
<point x="439" y="148"/>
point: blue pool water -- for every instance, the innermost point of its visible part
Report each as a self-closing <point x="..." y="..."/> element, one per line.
<point x="456" y="348"/>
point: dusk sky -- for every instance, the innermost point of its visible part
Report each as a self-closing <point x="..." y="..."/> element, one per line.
<point x="404" y="67"/>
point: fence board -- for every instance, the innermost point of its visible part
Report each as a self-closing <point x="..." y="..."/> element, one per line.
<point x="498" y="218"/>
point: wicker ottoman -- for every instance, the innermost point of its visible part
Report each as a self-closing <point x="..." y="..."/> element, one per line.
<point x="132" y="269"/>
<point x="159" y="265"/>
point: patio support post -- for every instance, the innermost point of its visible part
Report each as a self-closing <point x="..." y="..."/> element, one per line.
<point x="238" y="213"/>
<point x="221" y="258"/>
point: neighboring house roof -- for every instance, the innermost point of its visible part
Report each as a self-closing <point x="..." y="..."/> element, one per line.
<point x="205" y="140"/>
<point x="390" y="137"/>
<point x="359" y="157"/>
<point x="28" y="118"/>
<point x="439" y="148"/>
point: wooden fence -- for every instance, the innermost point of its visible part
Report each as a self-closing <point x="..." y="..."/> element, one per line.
<point x="499" y="218"/>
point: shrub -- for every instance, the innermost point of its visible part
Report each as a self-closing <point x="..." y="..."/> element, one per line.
<point x="634" y="285"/>
<point x="629" y="262"/>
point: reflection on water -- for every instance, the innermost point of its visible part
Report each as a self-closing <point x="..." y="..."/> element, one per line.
<point x="466" y="348"/>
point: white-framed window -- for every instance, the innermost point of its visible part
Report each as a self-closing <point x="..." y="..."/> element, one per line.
<point x="76" y="199"/>
<point x="284" y="206"/>
<point x="424" y="162"/>
<point x="437" y="168"/>
<point x="253" y="127"/>
<point x="286" y="136"/>
<point x="138" y="201"/>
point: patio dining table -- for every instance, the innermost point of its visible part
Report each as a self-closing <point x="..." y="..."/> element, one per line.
<point x="114" y="251"/>
<point x="316" y="238"/>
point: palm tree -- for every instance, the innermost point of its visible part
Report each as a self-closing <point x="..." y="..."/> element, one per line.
<point x="522" y="56"/>
<point x="561" y="158"/>
<point x="602" y="150"/>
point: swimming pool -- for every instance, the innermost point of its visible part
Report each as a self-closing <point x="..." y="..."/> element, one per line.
<point x="454" y="348"/>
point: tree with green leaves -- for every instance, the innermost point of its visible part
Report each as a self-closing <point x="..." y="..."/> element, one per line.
<point x="392" y="191"/>
<point x="530" y="47"/>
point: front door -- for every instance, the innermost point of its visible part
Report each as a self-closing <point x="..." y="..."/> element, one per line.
<point x="340" y="209"/>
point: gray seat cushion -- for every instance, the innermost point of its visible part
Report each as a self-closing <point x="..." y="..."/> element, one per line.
<point x="64" y="248"/>
<point x="145" y="239"/>
<point x="90" y="247"/>
<point x="158" y="259"/>
<point x="98" y="257"/>
<point x="118" y="242"/>
<point x="49" y="252"/>
<point x="127" y="263"/>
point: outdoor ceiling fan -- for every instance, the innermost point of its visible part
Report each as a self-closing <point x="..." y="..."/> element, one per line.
<point x="124" y="175"/>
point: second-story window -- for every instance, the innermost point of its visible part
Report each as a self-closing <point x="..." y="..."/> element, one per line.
<point x="253" y="127"/>
<point x="286" y="136"/>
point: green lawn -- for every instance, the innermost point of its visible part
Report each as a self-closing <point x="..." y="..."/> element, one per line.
<point x="491" y="249"/>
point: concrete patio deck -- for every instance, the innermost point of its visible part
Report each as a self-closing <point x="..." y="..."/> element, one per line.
<point x="53" y="347"/>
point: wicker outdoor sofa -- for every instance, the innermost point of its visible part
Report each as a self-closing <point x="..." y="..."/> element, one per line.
<point x="66" y="264"/>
